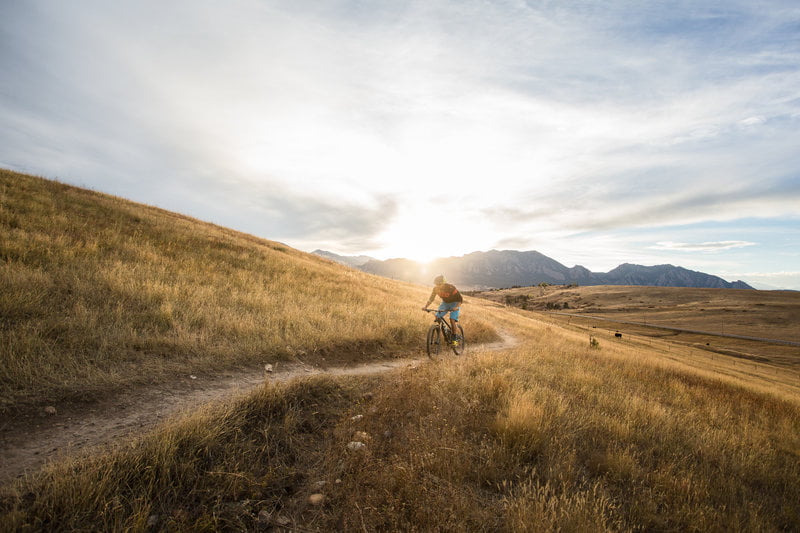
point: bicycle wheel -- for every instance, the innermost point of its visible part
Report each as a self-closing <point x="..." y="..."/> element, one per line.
<point x="434" y="343"/>
<point x="460" y="343"/>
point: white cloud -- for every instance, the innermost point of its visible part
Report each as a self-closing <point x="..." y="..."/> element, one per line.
<point x="771" y="274"/>
<point x="753" y="121"/>
<point x="786" y="280"/>
<point x="701" y="246"/>
<point x="514" y="122"/>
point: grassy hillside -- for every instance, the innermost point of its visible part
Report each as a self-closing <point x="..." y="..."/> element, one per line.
<point x="97" y="292"/>
<point x="553" y="435"/>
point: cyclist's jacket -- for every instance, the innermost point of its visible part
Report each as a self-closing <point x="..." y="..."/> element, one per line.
<point x="447" y="292"/>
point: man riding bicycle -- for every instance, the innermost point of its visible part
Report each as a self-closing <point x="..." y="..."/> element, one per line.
<point x="451" y="301"/>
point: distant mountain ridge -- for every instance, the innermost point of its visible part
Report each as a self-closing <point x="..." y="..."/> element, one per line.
<point x="507" y="268"/>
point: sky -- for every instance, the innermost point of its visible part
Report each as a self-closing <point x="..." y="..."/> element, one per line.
<point x="595" y="132"/>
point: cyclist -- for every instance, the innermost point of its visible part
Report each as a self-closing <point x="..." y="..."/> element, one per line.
<point x="451" y="301"/>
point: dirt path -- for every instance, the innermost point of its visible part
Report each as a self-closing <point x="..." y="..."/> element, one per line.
<point x="28" y="442"/>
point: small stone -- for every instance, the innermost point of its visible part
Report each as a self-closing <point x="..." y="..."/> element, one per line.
<point x="282" y="521"/>
<point x="355" y="445"/>
<point x="357" y="418"/>
<point x="50" y="410"/>
<point x="316" y="499"/>
<point x="192" y="377"/>
<point x="268" y="368"/>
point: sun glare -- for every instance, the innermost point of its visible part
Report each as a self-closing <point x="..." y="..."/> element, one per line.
<point x="424" y="237"/>
<point x="415" y="237"/>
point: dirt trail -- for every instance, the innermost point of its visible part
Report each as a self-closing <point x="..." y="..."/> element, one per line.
<point x="28" y="442"/>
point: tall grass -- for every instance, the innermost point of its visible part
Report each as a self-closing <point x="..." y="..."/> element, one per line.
<point x="98" y="292"/>
<point x="213" y="470"/>
<point x="562" y="437"/>
<point x="549" y="436"/>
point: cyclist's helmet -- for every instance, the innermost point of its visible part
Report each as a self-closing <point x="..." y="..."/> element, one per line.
<point x="438" y="280"/>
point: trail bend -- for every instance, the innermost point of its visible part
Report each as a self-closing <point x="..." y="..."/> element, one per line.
<point x="27" y="442"/>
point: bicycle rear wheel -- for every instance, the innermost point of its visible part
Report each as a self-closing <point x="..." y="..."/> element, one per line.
<point x="459" y="344"/>
<point x="434" y="342"/>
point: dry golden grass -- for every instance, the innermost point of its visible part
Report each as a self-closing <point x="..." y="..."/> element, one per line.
<point x="97" y="292"/>
<point x="549" y="436"/>
<point x="195" y="473"/>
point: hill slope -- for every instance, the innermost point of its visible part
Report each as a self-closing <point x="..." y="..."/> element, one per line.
<point x="98" y="292"/>
<point x="556" y="434"/>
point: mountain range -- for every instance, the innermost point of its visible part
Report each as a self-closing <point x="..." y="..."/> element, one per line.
<point x="509" y="268"/>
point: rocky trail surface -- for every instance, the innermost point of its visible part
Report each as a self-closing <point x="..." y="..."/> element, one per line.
<point x="29" y="441"/>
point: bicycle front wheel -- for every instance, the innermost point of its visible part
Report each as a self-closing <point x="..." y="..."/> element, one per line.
<point x="434" y="343"/>
<point x="459" y="343"/>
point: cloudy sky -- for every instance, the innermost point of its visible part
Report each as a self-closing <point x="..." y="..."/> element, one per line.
<point x="595" y="132"/>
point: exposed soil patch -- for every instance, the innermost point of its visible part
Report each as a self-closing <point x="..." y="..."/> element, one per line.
<point x="29" y="440"/>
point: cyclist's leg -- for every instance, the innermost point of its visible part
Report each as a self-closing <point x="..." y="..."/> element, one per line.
<point x="454" y="314"/>
<point x="444" y="308"/>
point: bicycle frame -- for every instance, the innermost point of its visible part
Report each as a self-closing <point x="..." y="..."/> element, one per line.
<point x="442" y="325"/>
<point x="445" y="325"/>
<point x="442" y="321"/>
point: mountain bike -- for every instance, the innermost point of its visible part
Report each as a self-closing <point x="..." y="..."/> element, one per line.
<point x="440" y="334"/>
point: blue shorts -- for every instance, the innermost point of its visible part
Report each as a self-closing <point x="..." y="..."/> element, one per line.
<point x="444" y="308"/>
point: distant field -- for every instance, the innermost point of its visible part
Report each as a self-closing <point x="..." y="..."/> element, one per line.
<point x="762" y="314"/>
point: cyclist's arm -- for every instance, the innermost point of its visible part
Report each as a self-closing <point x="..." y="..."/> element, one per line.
<point x="433" y="297"/>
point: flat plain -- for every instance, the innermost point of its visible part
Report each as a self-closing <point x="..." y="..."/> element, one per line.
<point x="706" y="323"/>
